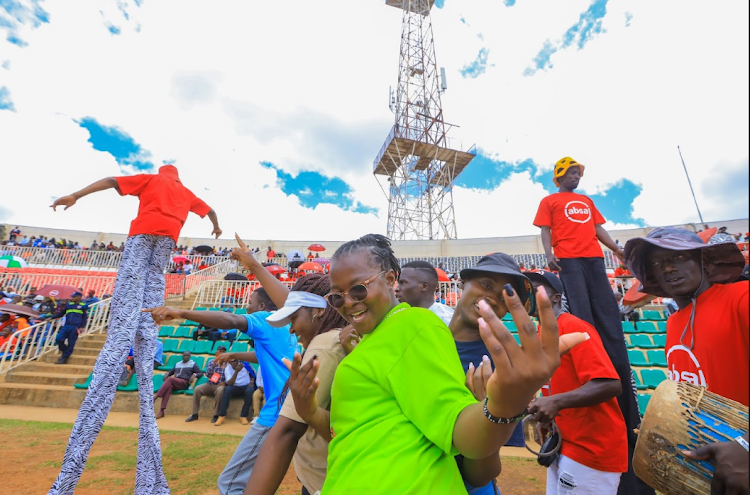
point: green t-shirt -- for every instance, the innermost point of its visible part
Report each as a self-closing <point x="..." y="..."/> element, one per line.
<point x="394" y="403"/>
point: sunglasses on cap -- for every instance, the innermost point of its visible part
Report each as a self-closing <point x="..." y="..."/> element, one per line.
<point x="357" y="293"/>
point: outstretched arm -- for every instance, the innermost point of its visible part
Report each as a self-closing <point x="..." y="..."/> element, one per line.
<point x="70" y="200"/>
<point x="214" y="319"/>
<point x="605" y="239"/>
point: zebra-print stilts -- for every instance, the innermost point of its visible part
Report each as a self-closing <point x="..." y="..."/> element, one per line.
<point x="139" y="284"/>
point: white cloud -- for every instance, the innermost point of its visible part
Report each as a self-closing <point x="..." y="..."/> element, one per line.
<point x="220" y="87"/>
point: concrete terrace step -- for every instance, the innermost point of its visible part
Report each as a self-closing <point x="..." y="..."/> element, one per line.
<point x="42" y="367"/>
<point x="35" y="377"/>
<point x="77" y="360"/>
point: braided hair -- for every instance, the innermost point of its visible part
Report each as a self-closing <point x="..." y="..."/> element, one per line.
<point x="319" y="284"/>
<point x="379" y="248"/>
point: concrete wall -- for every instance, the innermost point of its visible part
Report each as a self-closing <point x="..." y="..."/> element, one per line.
<point x="454" y="247"/>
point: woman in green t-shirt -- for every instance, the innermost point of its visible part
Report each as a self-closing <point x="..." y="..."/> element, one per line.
<point x="400" y="410"/>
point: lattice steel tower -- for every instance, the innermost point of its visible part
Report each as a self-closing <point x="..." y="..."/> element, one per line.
<point x="417" y="165"/>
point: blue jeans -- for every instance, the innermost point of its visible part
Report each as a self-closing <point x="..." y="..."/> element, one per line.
<point x="234" y="478"/>
<point x="69" y="333"/>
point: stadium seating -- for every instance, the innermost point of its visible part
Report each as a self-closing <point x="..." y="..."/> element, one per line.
<point x="660" y="340"/>
<point x="657" y="358"/>
<point x="86" y="383"/>
<point x="183" y="332"/>
<point x="170" y="345"/>
<point x="203" y="347"/>
<point x="637" y="358"/>
<point x="651" y="314"/>
<point x="629" y="327"/>
<point x="171" y="362"/>
<point x="638" y="383"/>
<point x="186" y="345"/>
<point x="652" y="378"/>
<point x="158" y="382"/>
<point x="239" y="347"/>
<point x="131" y="386"/>
<point x="643" y="402"/>
<point x="166" y="331"/>
<point x="642" y="341"/>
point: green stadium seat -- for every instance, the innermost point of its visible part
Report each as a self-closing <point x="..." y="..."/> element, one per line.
<point x="199" y="309"/>
<point x="648" y="327"/>
<point x="662" y="326"/>
<point x="628" y="343"/>
<point x="660" y="340"/>
<point x="239" y="347"/>
<point x="215" y="309"/>
<point x="131" y="386"/>
<point x="510" y="325"/>
<point x="203" y="347"/>
<point x="183" y="332"/>
<point x="638" y="383"/>
<point x="200" y="381"/>
<point x="240" y="311"/>
<point x="507" y="317"/>
<point x="158" y="381"/>
<point x="171" y="362"/>
<point x="243" y="336"/>
<point x="628" y="327"/>
<point x="652" y="314"/>
<point x="200" y="361"/>
<point x="652" y="378"/>
<point x="642" y="341"/>
<point x="186" y="345"/>
<point x="657" y="358"/>
<point x="166" y="331"/>
<point x="170" y="345"/>
<point x="643" y="402"/>
<point x="86" y="383"/>
<point x="254" y="366"/>
<point x="637" y="358"/>
<point x="190" y="323"/>
<point x="518" y="340"/>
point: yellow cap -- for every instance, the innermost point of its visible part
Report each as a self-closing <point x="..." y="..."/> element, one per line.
<point x="562" y="166"/>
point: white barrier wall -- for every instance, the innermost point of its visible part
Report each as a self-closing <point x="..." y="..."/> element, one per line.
<point x="403" y="249"/>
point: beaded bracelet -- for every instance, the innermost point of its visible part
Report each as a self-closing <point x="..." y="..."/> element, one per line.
<point x="503" y="421"/>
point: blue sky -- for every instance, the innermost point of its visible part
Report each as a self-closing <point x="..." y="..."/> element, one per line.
<point x="120" y="87"/>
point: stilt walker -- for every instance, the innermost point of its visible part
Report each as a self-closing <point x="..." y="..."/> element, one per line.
<point x="164" y="206"/>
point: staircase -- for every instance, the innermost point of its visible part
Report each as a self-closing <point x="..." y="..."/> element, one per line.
<point x="42" y="383"/>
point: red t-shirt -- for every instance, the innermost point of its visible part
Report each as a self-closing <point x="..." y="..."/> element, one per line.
<point x="720" y="358"/>
<point x="595" y="436"/>
<point x="572" y="219"/>
<point x="164" y="202"/>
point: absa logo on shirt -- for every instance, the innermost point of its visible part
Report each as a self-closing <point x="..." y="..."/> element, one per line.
<point x="695" y="377"/>
<point x="578" y="211"/>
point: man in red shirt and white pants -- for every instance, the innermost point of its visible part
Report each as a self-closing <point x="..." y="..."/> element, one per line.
<point x="572" y="226"/>
<point x="164" y="207"/>
<point x="583" y="404"/>
<point x="708" y="338"/>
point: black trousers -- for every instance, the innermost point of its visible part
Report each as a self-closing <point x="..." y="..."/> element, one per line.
<point x="590" y="298"/>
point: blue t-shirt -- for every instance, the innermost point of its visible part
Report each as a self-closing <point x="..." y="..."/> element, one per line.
<point x="271" y="344"/>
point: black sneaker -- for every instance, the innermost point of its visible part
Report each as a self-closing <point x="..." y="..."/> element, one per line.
<point x="192" y="417"/>
<point x="62" y="360"/>
<point x="213" y="420"/>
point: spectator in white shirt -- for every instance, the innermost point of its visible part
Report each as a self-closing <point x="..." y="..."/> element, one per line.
<point x="417" y="286"/>
<point x="238" y="383"/>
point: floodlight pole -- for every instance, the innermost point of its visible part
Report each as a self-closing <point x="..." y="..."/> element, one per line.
<point x="691" y="186"/>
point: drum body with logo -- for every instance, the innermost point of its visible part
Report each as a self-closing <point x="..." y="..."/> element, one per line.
<point x="681" y="416"/>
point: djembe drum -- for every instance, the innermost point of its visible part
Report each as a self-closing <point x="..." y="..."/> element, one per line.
<point x="681" y="416"/>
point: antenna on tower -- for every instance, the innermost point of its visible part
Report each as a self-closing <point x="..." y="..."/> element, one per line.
<point x="391" y="100"/>
<point x="443" y="81"/>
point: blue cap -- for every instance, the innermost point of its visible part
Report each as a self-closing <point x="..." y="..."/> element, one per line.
<point x="76" y="293"/>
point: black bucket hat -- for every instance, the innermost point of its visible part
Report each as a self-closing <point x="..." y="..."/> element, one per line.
<point x="505" y="265"/>
<point x="726" y="258"/>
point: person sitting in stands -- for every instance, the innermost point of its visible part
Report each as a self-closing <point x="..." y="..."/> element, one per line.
<point x="259" y="396"/>
<point x="238" y="383"/>
<point x="214" y="387"/>
<point x="178" y="378"/>
<point x="203" y="331"/>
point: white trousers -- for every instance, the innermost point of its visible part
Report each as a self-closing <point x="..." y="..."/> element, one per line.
<point x="568" y="477"/>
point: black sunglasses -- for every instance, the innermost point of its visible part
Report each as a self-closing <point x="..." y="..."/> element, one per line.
<point x="357" y="293"/>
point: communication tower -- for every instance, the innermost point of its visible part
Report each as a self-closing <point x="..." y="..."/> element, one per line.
<point x="418" y="164"/>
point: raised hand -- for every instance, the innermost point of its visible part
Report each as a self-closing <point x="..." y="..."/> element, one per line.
<point x="244" y="255"/>
<point x="163" y="313"/>
<point x="303" y="383"/>
<point x="66" y="201"/>
<point x="519" y="370"/>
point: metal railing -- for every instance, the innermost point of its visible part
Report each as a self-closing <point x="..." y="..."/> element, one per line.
<point x="36" y="341"/>
<point x="23" y="282"/>
<point x="86" y="259"/>
<point x="236" y="293"/>
<point x="192" y="282"/>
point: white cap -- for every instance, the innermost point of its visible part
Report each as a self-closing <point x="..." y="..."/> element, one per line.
<point x="295" y="300"/>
